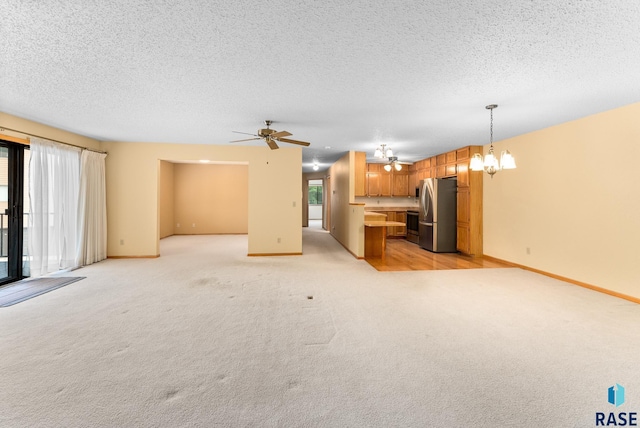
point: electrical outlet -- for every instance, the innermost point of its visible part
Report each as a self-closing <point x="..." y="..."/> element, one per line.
<point x="528" y="251"/>
<point x="122" y="242"/>
<point x="178" y="225"/>
<point x="294" y="204"/>
<point x="193" y="225"/>
<point x="278" y="240"/>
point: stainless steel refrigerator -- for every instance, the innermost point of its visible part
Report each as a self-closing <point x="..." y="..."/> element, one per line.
<point x="437" y="221"/>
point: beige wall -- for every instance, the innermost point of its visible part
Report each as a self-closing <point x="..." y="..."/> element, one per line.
<point x="211" y="199"/>
<point x="28" y="126"/>
<point x="347" y="219"/>
<point x="167" y="202"/>
<point x="133" y="181"/>
<point x="573" y="201"/>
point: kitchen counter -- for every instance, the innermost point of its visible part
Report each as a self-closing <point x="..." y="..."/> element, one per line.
<point x="371" y="215"/>
<point x="398" y="209"/>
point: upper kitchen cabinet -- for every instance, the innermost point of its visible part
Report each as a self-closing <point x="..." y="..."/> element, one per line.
<point x="446" y="165"/>
<point x="401" y="182"/>
<point x="462" y="161"/>
<point x="378" y="181"/>
<point x="423" y="169"/>
<point x="413" y="179"/>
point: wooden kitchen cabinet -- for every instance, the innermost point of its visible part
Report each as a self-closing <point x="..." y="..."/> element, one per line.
<point x="400" y="183"/>
<point x="463" y="174"/>
<point x="413" y="183"/>
<point x="469" y="211"/>
<point x="385" y="183"/>
<point x="463" y="153"/>
<point x="401" y="231"/>
<point x="451" y="157"/>
<point x="463" y="243"/>
<point x="378" y="182"/>
<point x="373" y="183"/>
<point x="391" y="216"/>
<point x="396" y="231"/>
<point x="463" y="206"/>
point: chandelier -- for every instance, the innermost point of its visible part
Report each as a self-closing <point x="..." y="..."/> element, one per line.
<point x="490" y="163"/>
<point x="383" y="152"/>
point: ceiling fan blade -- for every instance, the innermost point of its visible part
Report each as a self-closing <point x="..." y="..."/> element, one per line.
<point x="280" y="134"/>
<point x="246" y="133"/>
<point x="272" y="144"/>
<point x="301" y="143"/>
<point x="248" y="139"/>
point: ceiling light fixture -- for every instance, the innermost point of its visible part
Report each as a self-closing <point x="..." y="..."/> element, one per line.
<point x="490" y="163"/>
<point x="383" y="152"/>
<point x="315" y="164"/>
<point x="393" y="163"/>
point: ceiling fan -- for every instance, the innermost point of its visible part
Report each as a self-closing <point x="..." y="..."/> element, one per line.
<point x="270" y="136"/>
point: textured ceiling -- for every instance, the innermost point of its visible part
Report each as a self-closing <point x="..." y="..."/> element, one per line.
<point x="415" y="75"/>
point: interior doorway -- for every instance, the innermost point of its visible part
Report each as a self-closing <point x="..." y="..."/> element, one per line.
<point x="316" y="198"/>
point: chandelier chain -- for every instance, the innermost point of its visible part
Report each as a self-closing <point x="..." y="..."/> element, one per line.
<point x="491" y="128"/>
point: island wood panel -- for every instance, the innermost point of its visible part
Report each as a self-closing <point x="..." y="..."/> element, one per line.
<point x="375" y="237"/>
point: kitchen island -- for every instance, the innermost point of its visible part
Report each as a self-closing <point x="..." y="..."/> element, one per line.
<point x="375" y="237"/>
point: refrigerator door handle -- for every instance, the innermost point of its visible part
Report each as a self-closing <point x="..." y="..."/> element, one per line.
<point x="426" y="224"/>
<point x="426" y="199"/>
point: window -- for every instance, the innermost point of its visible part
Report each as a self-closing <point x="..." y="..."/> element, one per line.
<point x="315" y="195"/>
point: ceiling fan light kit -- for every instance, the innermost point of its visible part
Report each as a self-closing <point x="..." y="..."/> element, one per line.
<point x="490" y="163"/>
<point x="271" y="136"/>
<point x="393" y="163"/>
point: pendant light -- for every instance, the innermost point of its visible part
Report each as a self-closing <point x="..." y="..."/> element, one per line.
<point x="383" y="152"/>
<point x="490" y="163"/>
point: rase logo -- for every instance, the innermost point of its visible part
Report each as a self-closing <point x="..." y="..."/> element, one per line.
<point x="615" y="396"/>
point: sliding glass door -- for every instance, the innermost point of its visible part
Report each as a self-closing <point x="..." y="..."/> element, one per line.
<point x="14" y="197"/>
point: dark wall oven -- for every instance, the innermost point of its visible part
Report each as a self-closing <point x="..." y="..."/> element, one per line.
<point x="412" y="227"/>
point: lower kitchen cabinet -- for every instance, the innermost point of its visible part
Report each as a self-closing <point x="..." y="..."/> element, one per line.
<point x="401" y="231"/>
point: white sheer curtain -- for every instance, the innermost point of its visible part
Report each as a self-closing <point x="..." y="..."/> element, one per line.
<point x="54" y="181"/>
<point x="92" y="209"/>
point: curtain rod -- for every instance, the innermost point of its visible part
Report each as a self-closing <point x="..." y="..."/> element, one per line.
<point x="4" y="128"/>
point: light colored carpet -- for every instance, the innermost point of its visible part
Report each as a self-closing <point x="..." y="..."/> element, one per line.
<point x="205" y="336"/>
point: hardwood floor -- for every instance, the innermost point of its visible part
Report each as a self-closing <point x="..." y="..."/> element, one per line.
<point x="402" y="255"/>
